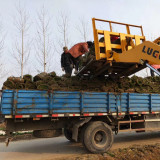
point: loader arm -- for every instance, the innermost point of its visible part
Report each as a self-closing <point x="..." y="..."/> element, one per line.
<point x="122" y="58"/>
<point x="147" y="51"/>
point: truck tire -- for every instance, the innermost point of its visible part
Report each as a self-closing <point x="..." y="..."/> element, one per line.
<point x="68" y="134"/>
<point x="98" y="137"/>
<point x="47" y="133"/>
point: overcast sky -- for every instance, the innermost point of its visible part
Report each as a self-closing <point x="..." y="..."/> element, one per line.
<point x="138" y="12"/>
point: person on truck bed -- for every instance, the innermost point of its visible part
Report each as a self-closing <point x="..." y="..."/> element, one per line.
<point x="66" y="62"/>
<point x="114" y="40"/>
<point x="156" y="67"/>
<point x="77" y="51"/>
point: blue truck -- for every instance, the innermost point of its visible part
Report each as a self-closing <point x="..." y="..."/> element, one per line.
<point x="87" y="117"/>
<point x="91" y="117"/>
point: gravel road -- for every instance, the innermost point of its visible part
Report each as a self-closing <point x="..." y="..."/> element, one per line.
<point x="60" y="148"/>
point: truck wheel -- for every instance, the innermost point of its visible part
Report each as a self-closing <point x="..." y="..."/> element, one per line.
<point x="98" y="137"/>
<point x="47" y="133"/>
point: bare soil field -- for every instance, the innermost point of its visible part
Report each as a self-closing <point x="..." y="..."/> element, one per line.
<point x="143" y="146"/>
<point x="136" y="152"/>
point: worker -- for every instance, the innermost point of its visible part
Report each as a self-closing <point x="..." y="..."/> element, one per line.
<point x="77" y="51"/>
<point x="66" y="62"/>
<point x="114" y="40"/>
<point x="156" y="67"/>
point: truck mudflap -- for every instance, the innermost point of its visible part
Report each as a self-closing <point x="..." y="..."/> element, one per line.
<point x="77" y="125"/>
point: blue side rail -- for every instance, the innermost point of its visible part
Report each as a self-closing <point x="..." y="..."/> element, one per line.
<point x="16" y="102"/>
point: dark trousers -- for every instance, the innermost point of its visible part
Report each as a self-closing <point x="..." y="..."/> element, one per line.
<point x="152" y="72"/>
<point x="76" y="62"/>
<point x="68" y="70"/>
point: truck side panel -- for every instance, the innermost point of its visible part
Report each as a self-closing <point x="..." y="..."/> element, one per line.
<point x="15" y="102"/>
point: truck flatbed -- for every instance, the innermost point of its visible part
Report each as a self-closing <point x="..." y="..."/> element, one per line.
<point x="34" y="103"/>
<point x="88" y="117"/>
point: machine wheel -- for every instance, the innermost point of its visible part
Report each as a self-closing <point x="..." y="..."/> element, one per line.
<point x="98" y="137"/>
<point x="47" y="133"/>
<point x="68" y="134"/>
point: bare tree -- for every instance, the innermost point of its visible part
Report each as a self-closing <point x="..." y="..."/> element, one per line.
<point x="3" y="72"/>
<point x="43" y="45"/>
<point x="83" y="28"/>
<point x="63" y="28"/>
<point x="1" y="39"/>
<point x="22" y="45"/>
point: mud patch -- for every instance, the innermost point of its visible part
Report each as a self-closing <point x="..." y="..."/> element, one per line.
<point x="147" y="152"/>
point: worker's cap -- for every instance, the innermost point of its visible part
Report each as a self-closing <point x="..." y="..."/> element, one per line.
<point x="90" y="44"/>
<point x="65" y="48"/>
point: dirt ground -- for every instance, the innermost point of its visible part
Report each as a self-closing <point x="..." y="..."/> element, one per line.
<point x="145" y="152"/>
<point x="144" y="146"/>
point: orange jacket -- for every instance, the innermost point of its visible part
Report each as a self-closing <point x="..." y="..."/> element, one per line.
<point x="79" y="49"/>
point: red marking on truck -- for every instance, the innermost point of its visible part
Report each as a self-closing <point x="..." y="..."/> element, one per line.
<point x="54" y="115"/>
<point x="100" y="114"/>
<point x="39" y="116"/>
<point x="86" y="114"/>
<point x="155" y="112"/>
<point x="18" y="116"/>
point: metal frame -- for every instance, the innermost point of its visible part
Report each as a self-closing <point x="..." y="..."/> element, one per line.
<point x="153" y="69"/>
<point x="130" y="122"/>
<point x="157" y="41"/>
<point x="107" y="35"/>
<point x="121" y="59"/>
